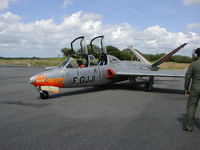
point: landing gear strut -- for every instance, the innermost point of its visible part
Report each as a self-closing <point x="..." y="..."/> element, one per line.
<point x="149" y="84"/>
<point x="44" y="94"/>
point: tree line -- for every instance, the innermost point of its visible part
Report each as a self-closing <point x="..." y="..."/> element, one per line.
<point x="126" y="54"/>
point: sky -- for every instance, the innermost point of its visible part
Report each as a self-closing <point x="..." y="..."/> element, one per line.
<point x="41" y="28"/>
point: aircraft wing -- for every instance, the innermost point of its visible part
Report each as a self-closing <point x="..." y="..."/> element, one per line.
<point x="159" y="73"/>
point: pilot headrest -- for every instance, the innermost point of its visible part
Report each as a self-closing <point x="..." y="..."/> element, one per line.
<point x="79" y="60"/>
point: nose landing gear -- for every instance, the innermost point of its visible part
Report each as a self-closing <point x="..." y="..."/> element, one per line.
<point x="44" y="94"/>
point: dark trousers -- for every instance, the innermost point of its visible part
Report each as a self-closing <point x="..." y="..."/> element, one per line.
<point x="192" y="104"/>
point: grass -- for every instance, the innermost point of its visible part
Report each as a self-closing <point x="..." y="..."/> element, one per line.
<point x="57" y="61"/>
<point x="174" y="66"/>
<point x="32" y="61"/>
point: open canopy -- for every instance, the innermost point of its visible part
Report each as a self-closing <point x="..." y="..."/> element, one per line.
<point x="78" y="46"/>
<point x="97" y="45"/>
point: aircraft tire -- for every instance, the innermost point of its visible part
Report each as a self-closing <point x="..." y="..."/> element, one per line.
<point x="44" y="94"/>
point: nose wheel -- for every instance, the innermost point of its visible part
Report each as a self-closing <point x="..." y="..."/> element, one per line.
<point x="44" y="94"/>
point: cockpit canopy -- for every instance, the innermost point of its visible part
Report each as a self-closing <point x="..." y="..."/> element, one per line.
<point x="78" y="48"/>
<point x="113" y="58"/>
<point x="72" y="63"/>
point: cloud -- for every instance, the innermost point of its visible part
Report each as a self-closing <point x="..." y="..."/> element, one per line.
<point x="67" y="3"/>
<point x="193" y="26"/>
<point x="45" y="38"/>
<point x="191" y="2"/>
<point x="5" y="3"/>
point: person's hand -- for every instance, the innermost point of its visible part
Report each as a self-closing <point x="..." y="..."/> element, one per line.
<point x="187" y="93"/>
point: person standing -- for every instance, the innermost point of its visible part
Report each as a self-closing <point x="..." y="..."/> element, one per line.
<point x="192" y="89"/>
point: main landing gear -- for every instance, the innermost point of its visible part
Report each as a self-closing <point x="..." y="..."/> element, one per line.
<point x="149" y="84"/>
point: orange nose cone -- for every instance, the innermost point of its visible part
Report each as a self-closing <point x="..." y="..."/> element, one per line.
<point x="42" y="80"/>
<point x="39" y="80"/>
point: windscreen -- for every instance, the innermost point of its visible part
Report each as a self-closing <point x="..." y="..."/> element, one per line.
<point x="65" y="62"/>
<point x="69" y="63"/>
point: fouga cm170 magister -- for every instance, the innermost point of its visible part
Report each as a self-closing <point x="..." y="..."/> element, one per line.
<point x="106" y="70"/>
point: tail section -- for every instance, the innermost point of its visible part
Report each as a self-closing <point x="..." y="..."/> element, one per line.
<point x="155" y="65"/>
<point x="138" y="55"/>
<point x="166" y="57"/>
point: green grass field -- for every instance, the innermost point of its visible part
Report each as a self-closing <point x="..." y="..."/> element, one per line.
<point x="174" y="66"/>
<point x="32" y="61"/>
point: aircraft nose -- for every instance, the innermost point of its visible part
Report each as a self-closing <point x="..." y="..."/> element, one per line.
<point x="38" y="80"/>
<point x="32" y="79"/>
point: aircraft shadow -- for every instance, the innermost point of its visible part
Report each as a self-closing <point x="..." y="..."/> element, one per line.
<point x="79" y="91"/>
<point x="140" y="87"/>
<point x="182" y="120"/>
<point x="168" y="91"/>
<point x="25" y="104"/>
<point x="116" y="86"/>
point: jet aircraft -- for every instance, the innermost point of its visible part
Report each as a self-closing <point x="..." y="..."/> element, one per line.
<point x="106" y="70"/>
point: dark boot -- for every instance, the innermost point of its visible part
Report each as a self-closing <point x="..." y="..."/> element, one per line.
<point x="186" y="128"/>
